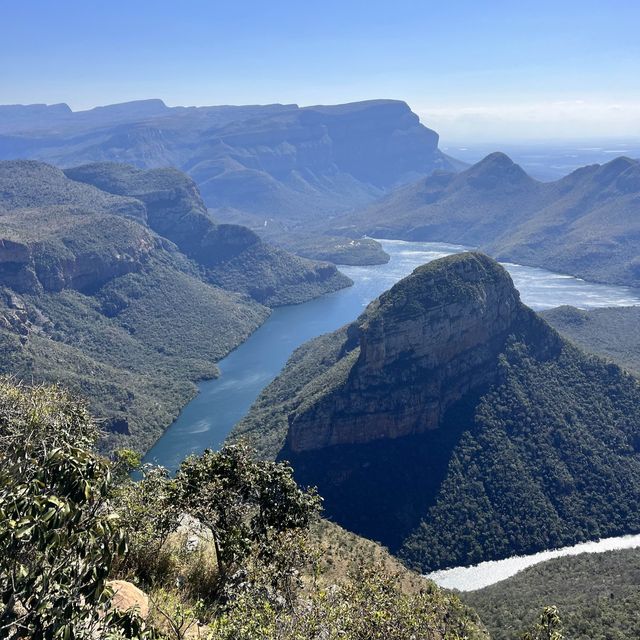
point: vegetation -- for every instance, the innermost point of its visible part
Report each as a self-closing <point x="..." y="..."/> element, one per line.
<point x="550" y="460"/>
<point x="584" y="223"/>
<point x="58" y="531"/>
<point x="609" y="333"/>
<point x="596" y="595"/>
<point x="134" y="348"/>
<point x="94" y="296"/>
<point x="224" y="550"/>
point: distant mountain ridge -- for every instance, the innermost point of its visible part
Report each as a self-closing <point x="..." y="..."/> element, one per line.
<point x="586" y="224"/>
<point x="452" y="424"/>
<point x="273" y="160"/>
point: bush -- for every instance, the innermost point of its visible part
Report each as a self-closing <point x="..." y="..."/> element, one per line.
<point x="58" y="532"/>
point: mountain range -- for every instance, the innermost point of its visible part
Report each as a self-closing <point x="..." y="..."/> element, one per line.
<point x="273" y="167"/>
<point x="454" y="425"/>
<point x="322" y="181"/>
<point x="117" y="283"/>
<point x="586" y="224"/>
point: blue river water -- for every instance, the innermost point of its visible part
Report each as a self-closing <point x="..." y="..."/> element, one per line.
<point x="207" y="420"/>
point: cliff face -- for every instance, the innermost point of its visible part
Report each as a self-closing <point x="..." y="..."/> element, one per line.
<point x="34" y="268"/>
<point x="56" y="233"/>
<point x="454" y="425"/>
<point x="426" y="343"/>
<point x="280" y="161"/>
<point x="233" y="256"/>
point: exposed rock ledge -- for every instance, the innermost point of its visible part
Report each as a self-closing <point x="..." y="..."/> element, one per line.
<point x="423" y="345"/>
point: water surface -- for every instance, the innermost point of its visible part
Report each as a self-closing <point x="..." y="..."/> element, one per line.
<point x="487" y="573"/>
<point x="209" y="417"/>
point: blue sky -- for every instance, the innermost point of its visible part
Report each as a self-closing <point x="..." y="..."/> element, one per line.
<point x="474" y="71"/>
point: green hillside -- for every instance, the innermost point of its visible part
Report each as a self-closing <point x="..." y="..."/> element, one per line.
<point x="596" y="595"/>
<point x="454" y="425"/>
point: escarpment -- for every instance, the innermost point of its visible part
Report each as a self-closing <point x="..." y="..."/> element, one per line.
<point x="427" y="342"/>
<point x="452" y="424"/>
<point x="232" y="256"/>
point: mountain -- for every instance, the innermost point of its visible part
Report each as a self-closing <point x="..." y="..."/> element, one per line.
<point x="586" y="224"/>
<point x="452" y="424"/>
<point x="611" y="333"/>
<point x="272" y="167"/>
<point x="233" y="256"/>
<point x="596" y="595"/>
<point x="128" y="292"/>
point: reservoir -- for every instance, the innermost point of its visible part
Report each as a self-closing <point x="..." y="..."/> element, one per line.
<point x="206" y="421"/>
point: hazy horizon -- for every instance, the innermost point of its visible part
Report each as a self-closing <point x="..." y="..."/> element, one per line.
<point x="504" y="72"/>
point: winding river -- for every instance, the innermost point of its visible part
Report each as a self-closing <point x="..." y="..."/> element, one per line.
<point x="488" y="573"/>
<point x="210" y="416"/>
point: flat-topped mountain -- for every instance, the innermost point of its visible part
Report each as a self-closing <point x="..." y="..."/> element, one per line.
<point x="451" y="423"/>
<point x="586" y="224"/>
<point x="117" y="283"/>
<point x="277" y="161"/>
<point x="274" y="168"/>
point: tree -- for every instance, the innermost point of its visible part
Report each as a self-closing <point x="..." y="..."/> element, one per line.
<point x="149" y="514"/>
<point x="549" y="626"/>
<point x="58" y="533"/>
<point x="248" y="505"/>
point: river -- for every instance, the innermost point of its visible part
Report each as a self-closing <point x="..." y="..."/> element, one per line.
<point x="487" y="573"/>
<point x="210" y="416"/>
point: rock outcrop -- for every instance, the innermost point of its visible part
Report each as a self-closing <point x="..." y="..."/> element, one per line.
<point x="128" y="597"/>
<point x="418" y="349"/>
<point x="451" y="423"/>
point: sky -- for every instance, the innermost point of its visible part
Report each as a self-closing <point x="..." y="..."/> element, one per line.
<point x="472" y="70"/>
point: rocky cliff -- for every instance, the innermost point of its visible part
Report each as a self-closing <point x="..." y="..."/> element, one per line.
<point x="232" y="256"/>
<point x="421" y="347"/>
<point x="454" y="425"/>
<point x="53" y="231"/>
<point x="277" y="161"/>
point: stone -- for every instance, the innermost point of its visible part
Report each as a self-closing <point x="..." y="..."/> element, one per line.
<point x="126" y="596"/>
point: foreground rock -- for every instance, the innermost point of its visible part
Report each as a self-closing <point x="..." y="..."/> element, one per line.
<point x="127" y="597"/>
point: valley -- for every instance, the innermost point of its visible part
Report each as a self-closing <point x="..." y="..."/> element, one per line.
<point x="118" y="284"/>
<point x="320" y="322"/>
<point x="221" y="403"/>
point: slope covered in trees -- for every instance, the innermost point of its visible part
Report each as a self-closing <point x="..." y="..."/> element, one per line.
<point x="131" y="293"/>
<point x="509" y="439"/>
<point x="609" y="333"/>
<point x="596" y="595"/>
